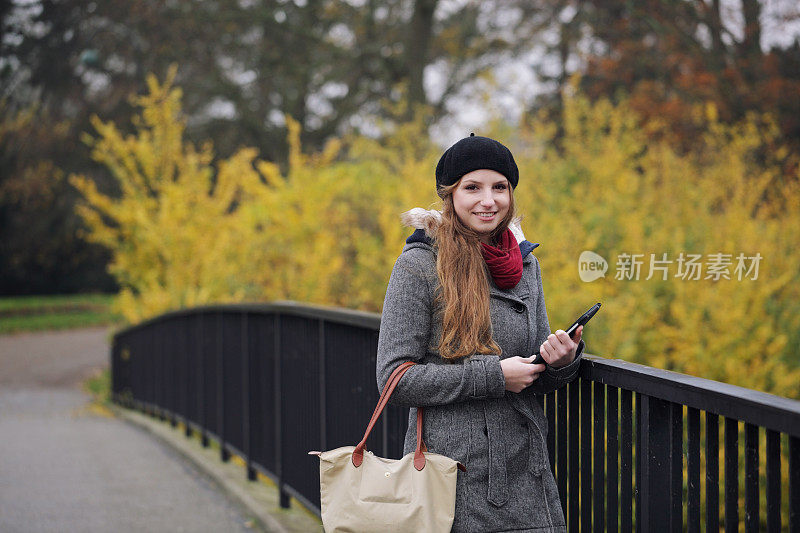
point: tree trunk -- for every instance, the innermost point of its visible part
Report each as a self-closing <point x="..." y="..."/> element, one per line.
<point x="714" y="22"/>
<point x="418" y="46"/>
<point x="751" y="45"/>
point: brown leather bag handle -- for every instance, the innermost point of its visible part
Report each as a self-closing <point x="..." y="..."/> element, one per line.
<point x="419" y="457"/>
<point x="389" y="381"/>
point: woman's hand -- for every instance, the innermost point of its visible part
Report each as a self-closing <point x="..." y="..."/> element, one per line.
<point x="519" y="373"/>
<point x="559" y="350"/>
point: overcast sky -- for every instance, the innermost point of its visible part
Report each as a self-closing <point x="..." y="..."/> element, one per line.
<point x="517" y="86"/>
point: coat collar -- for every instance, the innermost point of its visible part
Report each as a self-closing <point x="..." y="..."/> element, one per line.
<point x="525" y="246"/>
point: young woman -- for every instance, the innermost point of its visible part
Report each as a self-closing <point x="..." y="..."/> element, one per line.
<point x="465" y="302"/>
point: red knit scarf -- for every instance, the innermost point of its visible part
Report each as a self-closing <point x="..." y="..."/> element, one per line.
<point x="504" y="261"/>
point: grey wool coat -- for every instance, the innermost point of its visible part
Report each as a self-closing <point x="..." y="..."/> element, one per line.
<point x="498" y="435"/>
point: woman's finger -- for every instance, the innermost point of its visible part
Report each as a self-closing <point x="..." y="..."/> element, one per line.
<point x="576" y="337"/>
<point x="554" y="340"/>
<point x="547" y="351"/>
<point x="562" y="336"/>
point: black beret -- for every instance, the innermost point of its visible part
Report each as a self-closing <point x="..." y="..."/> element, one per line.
<point x="474" y="153"/>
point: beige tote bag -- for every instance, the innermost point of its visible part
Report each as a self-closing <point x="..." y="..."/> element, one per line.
<point x="361" y="492"/>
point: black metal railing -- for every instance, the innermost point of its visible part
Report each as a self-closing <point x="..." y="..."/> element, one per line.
<point x="631" y="447"/>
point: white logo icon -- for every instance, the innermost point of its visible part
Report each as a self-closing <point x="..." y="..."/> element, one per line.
<point x="591" y="266"/>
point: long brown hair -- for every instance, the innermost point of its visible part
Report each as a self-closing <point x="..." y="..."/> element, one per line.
<point x="463" y="275"/>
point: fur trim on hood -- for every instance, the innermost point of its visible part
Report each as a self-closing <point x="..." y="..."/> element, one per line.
<point x="430" y="219"/>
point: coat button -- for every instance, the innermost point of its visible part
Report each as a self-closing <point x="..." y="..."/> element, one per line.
<point x="518" y="307"/>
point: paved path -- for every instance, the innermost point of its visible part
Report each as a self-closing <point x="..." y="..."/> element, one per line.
<point x="65" y="468"/>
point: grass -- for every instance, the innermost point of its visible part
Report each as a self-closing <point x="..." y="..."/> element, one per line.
<point x="39" y="313"/>
<point x="99" y="386"/>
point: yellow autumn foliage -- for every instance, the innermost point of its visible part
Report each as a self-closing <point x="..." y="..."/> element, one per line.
<point x="186" y="230"/>
<point x="189" y="230"/>
<point x="174" y="231"/>
<point x="613" y="192"/>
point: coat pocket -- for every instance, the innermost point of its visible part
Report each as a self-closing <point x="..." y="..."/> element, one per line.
<point x="537" y="433"/>
<point x="537" y="445"/>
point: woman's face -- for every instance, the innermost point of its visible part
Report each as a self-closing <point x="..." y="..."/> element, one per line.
<point x="481" y="200"/>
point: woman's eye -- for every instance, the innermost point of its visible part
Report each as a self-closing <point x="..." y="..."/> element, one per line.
<point x="471" y="187"/>
<point x="501" y="186"/>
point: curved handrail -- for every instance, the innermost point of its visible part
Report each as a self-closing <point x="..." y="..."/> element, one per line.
<point x="331" y="314"/>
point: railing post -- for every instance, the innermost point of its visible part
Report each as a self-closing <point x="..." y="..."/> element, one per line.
<point x="224" y="454"/>
<point x="693" y="471"/>
<point x="155" y="353"/>
<point x="573" y="510"/>
<point x="187" y="364"/>
<point x="712" y="472"/>
<point x="612" y="459"/>
<point x="161" y="399"/>
<point x="637" y="474"/>
<point x="247" y="418"/>
<point x="201" y="382"/>
<point x="751" y="488"/>
<point x="586" y="454"/>
<point x="323" y="426"/>
<point x="174" y="374"/>
<point x="561" y="449"/>
<point x="676" y="466"/>
<point x="626" y="461"/>
<point x="151" y="374"/>
<point x="284" y="496"/>
<point x="773" y="481"/>
<point x="655" y="462"/>
<point x="731" y="475"/>
<point x="598" y="448"/>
